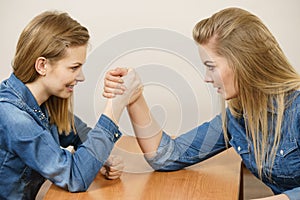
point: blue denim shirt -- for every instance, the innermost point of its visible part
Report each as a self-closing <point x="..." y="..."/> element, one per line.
<point x="30" y="148"/>
<point x="207" y="140"/>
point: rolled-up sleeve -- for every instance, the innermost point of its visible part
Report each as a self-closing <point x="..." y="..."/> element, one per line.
<point x="190" y="148"/>
<point x="74" y="172"/>
<point x="293" y="194"/>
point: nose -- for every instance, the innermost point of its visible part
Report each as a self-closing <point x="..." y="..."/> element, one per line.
<point x="80" y="77"/>
<point x="208" y="78"/>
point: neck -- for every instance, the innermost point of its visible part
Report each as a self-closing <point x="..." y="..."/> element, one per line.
<point x="38" y="92"/>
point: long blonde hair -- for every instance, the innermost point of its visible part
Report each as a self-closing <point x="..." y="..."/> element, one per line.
<point x="263" y="76"/>
<point x="49" y="35"/>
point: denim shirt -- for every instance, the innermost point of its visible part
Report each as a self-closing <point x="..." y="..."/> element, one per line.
<point x="207" y="140"/>
<point x="30" y="148"/>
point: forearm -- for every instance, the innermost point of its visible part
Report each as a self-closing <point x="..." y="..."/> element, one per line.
<point x="147" y="130"/>
<point x="126" y="93"/>
<point x="113" y="110"/>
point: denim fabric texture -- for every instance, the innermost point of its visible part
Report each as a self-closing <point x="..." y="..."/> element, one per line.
<point x="207" y="140"/>
<point x="30" y="147"/>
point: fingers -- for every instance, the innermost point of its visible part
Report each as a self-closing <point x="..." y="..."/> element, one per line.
<point x="111" y="89"/>
<point x="110" y="173"/>
<point x="113" y="167"/>
<point x="115" y="162"/>
<point x="119" y="71"/>
<point x="132" y="81"/>
<point x="113" y="82"/>
<point x="115" y="75"/>
<point x="124" y="82"/>
<point x="103" y="171"/>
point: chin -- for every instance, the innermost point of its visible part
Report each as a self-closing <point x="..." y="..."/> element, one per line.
<point x="229" y="97"/>
<point x="65" y="96"/>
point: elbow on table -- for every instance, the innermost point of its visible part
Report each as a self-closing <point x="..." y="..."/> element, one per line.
<point x="165" y="168"/>
<point x="75" y="187"/>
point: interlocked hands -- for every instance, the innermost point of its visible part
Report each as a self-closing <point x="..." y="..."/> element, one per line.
<point x="122" y="84"/>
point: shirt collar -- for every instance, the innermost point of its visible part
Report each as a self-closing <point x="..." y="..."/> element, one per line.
<point x="25" y="95"/>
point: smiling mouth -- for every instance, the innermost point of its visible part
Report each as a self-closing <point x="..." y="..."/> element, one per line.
<point x="70" y="87"/>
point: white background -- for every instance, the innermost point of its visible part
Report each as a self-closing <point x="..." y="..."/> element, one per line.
<point x="106" y="19"/>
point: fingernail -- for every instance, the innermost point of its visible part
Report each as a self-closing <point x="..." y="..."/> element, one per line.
<point x="123" y="87"/>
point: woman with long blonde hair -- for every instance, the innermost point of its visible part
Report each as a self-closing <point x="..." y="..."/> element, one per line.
<point x="37" y="117"/>
<point x="261" y="122"/>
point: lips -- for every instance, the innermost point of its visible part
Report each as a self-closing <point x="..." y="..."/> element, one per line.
<point x="218" y="89"/>
<point x="70" y="87"/>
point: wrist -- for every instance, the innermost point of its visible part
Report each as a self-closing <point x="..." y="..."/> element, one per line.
<point x="113" y="110"/>
<point x="137" y="102"/>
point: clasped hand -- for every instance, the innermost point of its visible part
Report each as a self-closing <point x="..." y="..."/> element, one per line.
<point x="122" y="84"/>
<point x="113" y="167"/>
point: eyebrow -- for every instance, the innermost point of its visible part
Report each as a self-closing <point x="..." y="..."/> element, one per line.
<point x="208" y="63"/>
<point x="77" y="63"/>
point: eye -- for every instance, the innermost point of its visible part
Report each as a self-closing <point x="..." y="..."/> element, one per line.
<point x="210" y="67"/>
<point x="74" y="68"/>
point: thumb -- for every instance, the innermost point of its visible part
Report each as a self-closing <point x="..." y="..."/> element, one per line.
<point x="119" y="71"/>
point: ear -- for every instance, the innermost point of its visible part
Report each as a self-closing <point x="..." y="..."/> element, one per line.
<point x="40" y="65"/>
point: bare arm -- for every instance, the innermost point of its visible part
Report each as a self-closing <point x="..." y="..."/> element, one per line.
<point x="145" y="127"/>
<point x="114" y="82"/>
<point x="120" y="91"/>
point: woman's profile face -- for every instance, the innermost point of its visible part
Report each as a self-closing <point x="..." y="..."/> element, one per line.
<point x="62" y="76"/>
<point x="218" y="72"/>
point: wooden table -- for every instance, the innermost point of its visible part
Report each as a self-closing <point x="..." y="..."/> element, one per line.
<point x="216" y="178"/>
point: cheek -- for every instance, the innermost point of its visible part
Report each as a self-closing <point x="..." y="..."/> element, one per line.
<point x="58" y="81"/>
<point x="64" y="77"/>
<point x="228" y="79"/>
<point x="217" y="77"/>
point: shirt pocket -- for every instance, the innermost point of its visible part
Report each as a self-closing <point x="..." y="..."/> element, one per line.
<point x="287" y="161"/>
<point x="242" y="148"/>
<point x="287" y="148"/>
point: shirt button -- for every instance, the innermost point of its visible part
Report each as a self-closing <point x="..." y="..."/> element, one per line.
<point x="239" y="148"/>
<point x="116" y="135"/>
<point x="281" y="152"/>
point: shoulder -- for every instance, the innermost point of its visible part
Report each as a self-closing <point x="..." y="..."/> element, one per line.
<point x="293" y="103"/>
<point x="10" y="110"/>
<point x="15" y="121"/>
